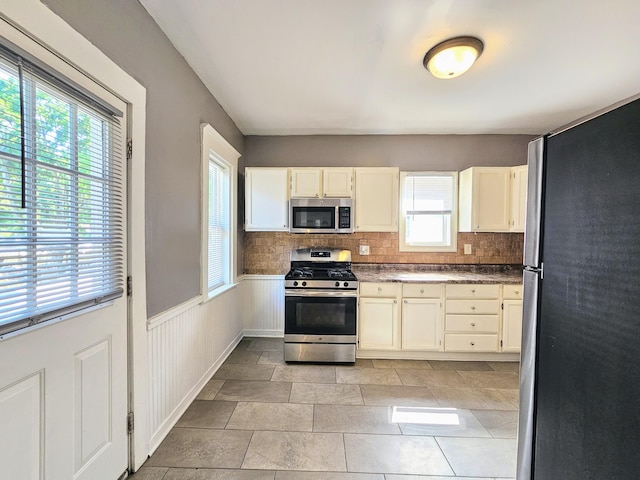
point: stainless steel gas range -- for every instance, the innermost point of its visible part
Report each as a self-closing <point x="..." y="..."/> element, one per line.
<point x="321" y="297"/>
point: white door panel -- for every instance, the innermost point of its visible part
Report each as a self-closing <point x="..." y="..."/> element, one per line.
<point x="74" y="372"/>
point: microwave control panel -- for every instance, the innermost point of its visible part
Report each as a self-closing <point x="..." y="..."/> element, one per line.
<point x="344" y="217"/>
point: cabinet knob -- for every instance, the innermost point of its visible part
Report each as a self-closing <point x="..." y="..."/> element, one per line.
<point x="379" y="289"/>
<point x="472" y="344"/>
<point x="473" y="324"/>
<point x="473" y="308"/>
<point x="473" y="290"/>
<point x="422" y="290"/>
<point x="517" y="292"/>
<point x="405" y="301"/>
<point x="324" y="195"/>
<point x="395" y="301"/>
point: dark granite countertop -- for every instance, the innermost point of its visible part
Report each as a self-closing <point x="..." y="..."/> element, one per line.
<point x="427" y="273"/>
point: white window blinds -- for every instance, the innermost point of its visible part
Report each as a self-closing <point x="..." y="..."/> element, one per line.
<point x="428" y="202"/>
<point x="61" y="202"/>
<point x="218" y="224"/>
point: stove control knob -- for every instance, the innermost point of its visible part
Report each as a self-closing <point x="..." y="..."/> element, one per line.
<point x="346" y="284"/>
<point x="337" y="284"/>
<point x="295" y="284"/>
<point x="304" y="284"/>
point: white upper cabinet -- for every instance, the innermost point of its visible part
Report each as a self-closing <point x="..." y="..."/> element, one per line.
<point x="376" y="199"/>
<point x="337" y="182"/>
<point x="518" y="197"/>
<point x="485" y="199"/>
<point x="306" y="182"/>
<point x="266" y="199"/>
<point x="317" y="182"/>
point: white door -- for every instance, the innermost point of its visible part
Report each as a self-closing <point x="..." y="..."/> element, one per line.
<point x="63" y="383"/>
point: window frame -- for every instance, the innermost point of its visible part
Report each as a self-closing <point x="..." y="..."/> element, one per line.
<point x="403" y="246"/>
<point x="216" y="148"/>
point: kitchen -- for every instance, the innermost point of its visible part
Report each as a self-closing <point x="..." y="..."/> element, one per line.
<point x="173" y="228"/>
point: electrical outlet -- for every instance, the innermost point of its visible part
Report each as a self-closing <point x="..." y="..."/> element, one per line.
<point x="364" y="249"/>
<point x="467" y="249"/>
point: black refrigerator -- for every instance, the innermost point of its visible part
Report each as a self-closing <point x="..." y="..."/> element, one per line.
<point x="580" y="358"/>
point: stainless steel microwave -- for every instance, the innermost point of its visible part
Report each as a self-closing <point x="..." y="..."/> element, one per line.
<point x="320" y="215"/>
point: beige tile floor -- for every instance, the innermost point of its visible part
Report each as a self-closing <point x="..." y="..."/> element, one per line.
<point x="259" y="418"/>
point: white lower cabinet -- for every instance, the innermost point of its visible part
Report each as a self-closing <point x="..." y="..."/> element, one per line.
<point x="422" y="317"/>
<point x="379" y="324"/>
<point x="379" y="316"/>
<point x="472" y="319"/>
<point x="512" y="318"/>
<point x="480" y="318"/>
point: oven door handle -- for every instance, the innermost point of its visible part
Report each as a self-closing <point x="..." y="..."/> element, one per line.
<point x="320" y="293"/>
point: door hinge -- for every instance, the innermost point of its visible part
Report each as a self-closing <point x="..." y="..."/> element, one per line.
<point x="129" y="148"/>
<point x="130" y="423"/>
<point x="500" y="342"/>
<point x="502" y="306"/>
<point x="129" y="286"/>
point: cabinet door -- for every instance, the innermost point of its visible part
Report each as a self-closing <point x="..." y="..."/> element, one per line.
<point x="491" y="199"/>
<point x="337" y="182"/>
<point x="518" y="197"/>
<point x="421" y="324"/>
<point x="306" y="182"/>
<point x="376" y="199"/>
<point x="378" y="324"/>
<point x="512" y="326"/>
<point x="266" y="199"/>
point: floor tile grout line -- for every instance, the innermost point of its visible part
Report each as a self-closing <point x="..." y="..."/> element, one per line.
<point x="244" y="457"/>
<point x="435" y="439"/>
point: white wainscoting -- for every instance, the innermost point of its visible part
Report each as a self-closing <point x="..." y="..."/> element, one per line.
<point x="263" y="305"/>
<point x="187" y="344"/>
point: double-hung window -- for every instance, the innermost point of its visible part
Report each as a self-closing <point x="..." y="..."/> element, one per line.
<point x="62" y="233"/>
<point x="428" y="220"/>
<point x="219" y="173"/>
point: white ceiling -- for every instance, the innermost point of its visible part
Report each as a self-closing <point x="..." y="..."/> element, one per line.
<point x="288" y="67"/>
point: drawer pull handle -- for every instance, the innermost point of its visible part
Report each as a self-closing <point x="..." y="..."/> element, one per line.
<point x="473" y="344"/>
<point x="473" y="324"/>
<point x="422" y="290"/>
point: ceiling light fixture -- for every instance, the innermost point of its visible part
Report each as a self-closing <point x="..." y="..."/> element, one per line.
<point x="453" y="57"/>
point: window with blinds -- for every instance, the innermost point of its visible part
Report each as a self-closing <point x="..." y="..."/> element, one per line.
<point x="61" y="202"/>
<point x="218" y="216"/>
<point x="428" y="220"/>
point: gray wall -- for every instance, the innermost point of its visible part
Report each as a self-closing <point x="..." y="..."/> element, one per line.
<point x="177" y="103"/>
<point x="409" y="152"/>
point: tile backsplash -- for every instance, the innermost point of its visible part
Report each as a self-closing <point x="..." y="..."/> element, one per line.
<point x="267" y="253"/>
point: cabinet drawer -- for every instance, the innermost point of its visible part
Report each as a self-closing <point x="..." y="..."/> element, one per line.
<point x="459" y="342"/>
<point x="472" y="290"/>
<point x="472" y="323"/>
<point x="380" y="289"/>
<point x="422" y="290"/>
<point x="512" y="292"/>
<point x="473" y="307"/>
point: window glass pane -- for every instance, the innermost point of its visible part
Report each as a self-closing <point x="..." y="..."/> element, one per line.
<point x="428" y="201"/>
<point x="218" y="225"/>
<point x="65" y="249"/>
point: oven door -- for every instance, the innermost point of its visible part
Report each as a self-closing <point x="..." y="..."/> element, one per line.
<point x="319" y="315"/>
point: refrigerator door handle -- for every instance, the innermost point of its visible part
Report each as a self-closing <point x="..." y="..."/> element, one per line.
<point x="526" y="423"/>
<point x="533" y="218"/>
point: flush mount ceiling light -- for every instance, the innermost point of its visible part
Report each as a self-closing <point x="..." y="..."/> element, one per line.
<point x="453" y="57"/>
